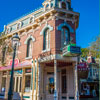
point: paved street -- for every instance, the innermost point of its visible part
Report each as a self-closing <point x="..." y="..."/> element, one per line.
<point x="80" y="99"/>
<point x="90" y="99"/>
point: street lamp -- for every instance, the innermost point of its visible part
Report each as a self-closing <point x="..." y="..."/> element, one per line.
<point x="15" y="43"/>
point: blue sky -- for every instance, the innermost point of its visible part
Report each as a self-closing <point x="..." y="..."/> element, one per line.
<point x="88" y="23"/>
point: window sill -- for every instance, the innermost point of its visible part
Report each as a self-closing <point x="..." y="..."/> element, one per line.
<point x="45" y="50"/>
<point x="28" y="58"/>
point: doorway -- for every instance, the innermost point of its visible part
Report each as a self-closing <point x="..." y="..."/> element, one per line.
<point x="50" y="86"/>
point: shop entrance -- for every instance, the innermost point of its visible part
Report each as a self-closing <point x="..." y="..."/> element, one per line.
<point x="50" y="86"/>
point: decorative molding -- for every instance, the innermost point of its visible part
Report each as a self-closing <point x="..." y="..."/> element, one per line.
<point x="67" y="25"/>
<point x="29" y="37"/>
<point x="46" y="27"/>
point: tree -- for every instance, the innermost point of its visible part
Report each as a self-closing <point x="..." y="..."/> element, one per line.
<point x="5" y="48"/>
<point x="95" y="47"/>
<point x="85" y="52"/>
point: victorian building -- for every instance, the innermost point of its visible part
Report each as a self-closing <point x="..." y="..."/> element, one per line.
<point x="46" y="60"/>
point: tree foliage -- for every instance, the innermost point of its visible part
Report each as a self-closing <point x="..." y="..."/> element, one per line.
<point x="93" y="49"/>
<point x="5" y="48"/>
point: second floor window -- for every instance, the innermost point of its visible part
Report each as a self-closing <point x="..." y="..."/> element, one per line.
<point x="46" y="39"/>
<point x="29" y="48"/>
<point x="3" y="54"/>
<point x="65" y="36"/>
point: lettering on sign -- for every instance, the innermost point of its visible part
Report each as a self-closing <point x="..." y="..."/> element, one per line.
<point x="16" y="62"/>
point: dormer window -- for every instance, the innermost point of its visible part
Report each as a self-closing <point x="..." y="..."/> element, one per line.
<point x="47" y="6"/>
<point x="63" y="5"/>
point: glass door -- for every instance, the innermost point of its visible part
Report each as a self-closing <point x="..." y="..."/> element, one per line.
<point x="50" y="87"/>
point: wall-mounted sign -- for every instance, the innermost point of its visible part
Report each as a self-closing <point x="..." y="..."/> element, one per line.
<point x="70" y="50"/>
<point x="28" y="70"/>
<point x="16" y="72"/>
<point x="15" y="63"/>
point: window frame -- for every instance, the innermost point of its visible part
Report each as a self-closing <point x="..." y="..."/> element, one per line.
<point x="29" y="42"/>
<point x="63" y="34"/>
<point x="46" y="40"/>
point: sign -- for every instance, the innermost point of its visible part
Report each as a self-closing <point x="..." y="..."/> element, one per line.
<point x="16" y="72"/>
<point x="71" y="50"/>
<point x="82" y="66"/>
<point x="75" y="49"/>
<point x="15" y="63"/>
<point x="28" y="70"/>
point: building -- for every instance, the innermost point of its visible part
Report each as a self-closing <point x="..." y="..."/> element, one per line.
<point x="46" y="60"/>
<point x="89" y="78"/>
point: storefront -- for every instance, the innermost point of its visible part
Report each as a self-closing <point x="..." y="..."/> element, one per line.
<point x="22" y="79"/>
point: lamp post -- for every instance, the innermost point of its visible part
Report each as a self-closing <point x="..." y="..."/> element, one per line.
<point x="15" y="43"/>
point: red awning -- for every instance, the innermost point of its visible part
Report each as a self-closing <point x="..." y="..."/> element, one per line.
<point x="22" y="64"/>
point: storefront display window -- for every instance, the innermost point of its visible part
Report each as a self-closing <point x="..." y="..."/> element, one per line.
<point x="3" y="84"/>
<point x="27" y="83"/>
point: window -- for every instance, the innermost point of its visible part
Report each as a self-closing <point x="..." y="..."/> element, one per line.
<point x="27" y="83"/>
<point x="3" y="84"/>
<point x="65" y="36"/>
<point x="63" y="5"/>
<point x="64" y="81"/>
<point x="29" y="48"/>
<point x="47" y="6"/>
<point x="28" y="80"/>
<point x="3" y="54"/>
<point x="46" y="40"/>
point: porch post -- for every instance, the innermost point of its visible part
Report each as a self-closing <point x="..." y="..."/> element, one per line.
<point x="39" y="71"/>
<point x="76" y="83"/>
<point x="32" y="81"/>
<point x="1" y="74"/>
<point x="55" y="80"/>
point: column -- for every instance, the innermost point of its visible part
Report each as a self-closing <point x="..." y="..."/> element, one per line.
<point x="23" y="83"/>
<point x="31" y="97"/>
<point x="1" y="74"/>
<point x="55" y="81"/>
<point x="35" y="81"/>
<point x="76" y="83"/>
<point x="39" y="73"/>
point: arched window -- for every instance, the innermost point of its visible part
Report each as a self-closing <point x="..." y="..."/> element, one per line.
<point x="29" y="48"/>
<point x="46" y="39"/>
<point x="47" y="6"/>
<point x="63" y="5"/>
<point x="65" y="36"/>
